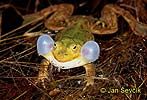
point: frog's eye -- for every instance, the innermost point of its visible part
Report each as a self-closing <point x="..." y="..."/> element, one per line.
<point x="90" y="51"/>
<point x="55" y="45"/>
<point x="44" y="44"/>
<point x="73" y="47"/>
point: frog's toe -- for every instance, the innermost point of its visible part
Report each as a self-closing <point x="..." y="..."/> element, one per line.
<point x="41" y="81"/>
<point x="90" y="82"/>
<point x="100" y="23"/>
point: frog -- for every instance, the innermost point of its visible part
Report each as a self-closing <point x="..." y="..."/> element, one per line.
<point x="74" y="44"/>
<point x="72" y="47"/>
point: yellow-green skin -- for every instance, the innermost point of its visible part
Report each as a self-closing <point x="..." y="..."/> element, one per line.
<point x="69" y="42"/>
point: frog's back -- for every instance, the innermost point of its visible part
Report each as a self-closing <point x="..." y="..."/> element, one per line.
<point x="78" y="32"/>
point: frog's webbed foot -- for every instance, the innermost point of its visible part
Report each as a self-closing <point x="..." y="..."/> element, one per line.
<point x="90" y="74"/>
<point x="43" y="73"/>
<point x="57" y="20"/>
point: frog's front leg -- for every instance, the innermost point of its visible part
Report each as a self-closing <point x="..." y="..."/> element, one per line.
<point x="43" y="72"/>
<point x="90" y="74"/>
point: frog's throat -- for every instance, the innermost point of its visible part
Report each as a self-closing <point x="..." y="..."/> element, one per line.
<point x="80" y="61"/>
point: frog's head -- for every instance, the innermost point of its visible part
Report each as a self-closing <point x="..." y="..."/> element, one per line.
<point x="67" y="50"/>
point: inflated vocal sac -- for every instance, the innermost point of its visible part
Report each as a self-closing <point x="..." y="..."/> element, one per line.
<point x="44" y="44"/>
<point x="90" y="51"/>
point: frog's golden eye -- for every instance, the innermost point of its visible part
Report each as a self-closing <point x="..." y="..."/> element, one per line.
<point x="55" y="45"/>
<point x="74" y="47"/>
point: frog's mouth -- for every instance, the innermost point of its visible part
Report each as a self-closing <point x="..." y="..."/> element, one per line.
<point x="79" y="61"/>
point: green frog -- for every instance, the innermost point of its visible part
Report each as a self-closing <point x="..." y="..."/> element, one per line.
<point x="74" y="45"/>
